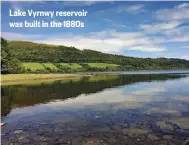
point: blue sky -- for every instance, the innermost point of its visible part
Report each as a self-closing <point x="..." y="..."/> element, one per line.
<point x="141" y="29"/>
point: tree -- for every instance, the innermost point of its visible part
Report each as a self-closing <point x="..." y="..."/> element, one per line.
<point x="8" y="63"/>
<point x="14" y="66"/>
<point x="4" y="56"/>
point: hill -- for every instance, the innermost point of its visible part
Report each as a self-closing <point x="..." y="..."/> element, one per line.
<point x="53" y="58"/>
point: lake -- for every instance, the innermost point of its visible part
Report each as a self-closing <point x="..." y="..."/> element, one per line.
<point x="114" y="109"/>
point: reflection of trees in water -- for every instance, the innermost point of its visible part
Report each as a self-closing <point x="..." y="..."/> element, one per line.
<point x="6" y="101"/>
<point x="25" y="95"/>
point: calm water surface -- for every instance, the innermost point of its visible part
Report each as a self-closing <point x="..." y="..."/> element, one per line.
<point x="126" y="109"/>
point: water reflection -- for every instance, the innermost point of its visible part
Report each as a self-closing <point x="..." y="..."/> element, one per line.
<point x="143" y="103"/>
<point x="29" y="95"/>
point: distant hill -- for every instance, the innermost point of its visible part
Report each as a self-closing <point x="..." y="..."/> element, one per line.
<point x="26" y="51"/>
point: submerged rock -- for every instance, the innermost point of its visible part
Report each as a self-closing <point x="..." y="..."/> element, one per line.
<point x="91" y="142"/>
<point x="137" y="131"/>
<point x="152" y="137"/>
<point x="186" y="142"/>
<point x="77" y="140"/>
<point x="17" y="131"/>
<point x="24" y="140"/>
<point x="168" y="137"/>
<point x="112" y="141"/>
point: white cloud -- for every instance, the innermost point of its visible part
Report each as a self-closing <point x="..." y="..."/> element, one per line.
<point x="19" y="36"/>
<point x="180" y="39"/>
<point x="148" y="48"/>
<point x="80" y="3"/>
<point x="24" y="4"/>
<point x="170" y="24"/>
<point x="181" y="55"/>
<point x="155" y="28"/>
<point x="106" y="41"/>
<point x="16" y="6"/>
<point x="185" y="57"/>
<point x="182" y="30"/>
<point x="183" y="5"/>
<point x="179" y="12"/>
<point x="134" y="9"/>
<point x="186" y="46"/>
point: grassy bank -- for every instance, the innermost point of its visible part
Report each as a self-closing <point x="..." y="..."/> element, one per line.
<point x="37" y="67"/>
<point x="35" y="78"/>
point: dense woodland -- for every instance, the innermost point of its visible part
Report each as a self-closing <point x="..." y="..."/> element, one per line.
<point x="16" y="52"/>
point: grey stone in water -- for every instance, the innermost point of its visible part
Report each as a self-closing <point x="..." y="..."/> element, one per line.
<point x="77" y="140"/>
<point x="97" y="117"/>
<point x="182" y="132"/>
<point x="168" y="137"/>
<point x="125" y="125"/>
<point x="112" y="140"/>
<point x="186" y="142"/>
<point x="41" y="138"/>
<point x="115" y="127"/>
<point x="132" y="125"/>
<point x="5" y="143"/>
<point x="18" y="131"/>
<point x="62" y="140"/>
<point x="15" y="144"/>
<point x="20" y="138"/>
<point x="124" y="131"/>
<point x="58" y="130"/>
<point x="88" y="134"/>
<point x="152" y="137"/>
<point x="43" y="143"/>
<point x="165" y="127"/>
<point x="24" y="140"/>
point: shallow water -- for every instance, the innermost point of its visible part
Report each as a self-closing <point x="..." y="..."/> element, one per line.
<point x="121" y="109"/>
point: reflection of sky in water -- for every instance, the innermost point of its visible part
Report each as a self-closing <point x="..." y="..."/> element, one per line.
<point x="126" y="97"/>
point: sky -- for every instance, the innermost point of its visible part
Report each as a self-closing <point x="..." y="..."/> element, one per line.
<point x="138" y="29"/>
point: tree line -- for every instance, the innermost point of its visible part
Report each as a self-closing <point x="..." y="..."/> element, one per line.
<point x="15" y="52"/>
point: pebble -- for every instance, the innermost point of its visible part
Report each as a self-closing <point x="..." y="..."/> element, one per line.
<point x="18" y="131"/>
<point x="152" y="137"/>
<point x="186" y="142"/>
<point x="168" y="137"/>
<point x="97" y="117"/>
<point x="76" y="140"/>
<point x="90" y="142"/>
<point x="43" y="143"/>
<point x="24" y="140"/>
<point x="112" y="140"/>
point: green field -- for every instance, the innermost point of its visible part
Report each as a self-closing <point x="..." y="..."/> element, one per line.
<point x="70" y="66"/>
<point x="33" y="66"/>
<point x="102" y="65"/>
<point x="50" y="65"/>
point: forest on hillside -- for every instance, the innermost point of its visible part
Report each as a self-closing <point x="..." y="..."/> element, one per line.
<point x="15" y="55"/>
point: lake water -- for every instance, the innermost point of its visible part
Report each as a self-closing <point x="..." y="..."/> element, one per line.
<point x="124" y="109"/>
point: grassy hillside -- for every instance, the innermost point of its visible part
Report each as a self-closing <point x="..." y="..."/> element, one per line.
<point x="66" y="67"/>
<point x="72" y="66"/>
<point x="33" y="66"/>
<point x="102" y="65"/>
<point x="49" y="66"/>
<point x="43" y="58"/>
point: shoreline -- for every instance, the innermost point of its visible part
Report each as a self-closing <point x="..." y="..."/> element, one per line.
<point x="23" y="78"/>
<point x="14" y="79"/>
